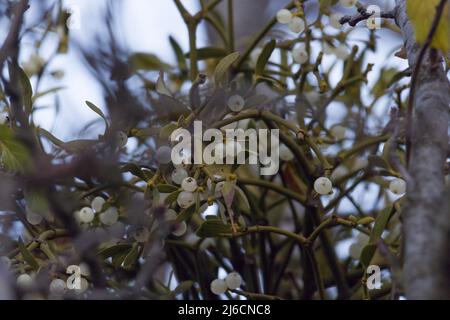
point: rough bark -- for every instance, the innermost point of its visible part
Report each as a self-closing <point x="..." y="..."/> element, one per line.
<point x="426" y="217"/>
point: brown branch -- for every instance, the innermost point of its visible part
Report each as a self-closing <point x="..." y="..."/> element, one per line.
<point x="415" y="75"/>
<point x="362" y="15"/>
<point x="426" y="216"/>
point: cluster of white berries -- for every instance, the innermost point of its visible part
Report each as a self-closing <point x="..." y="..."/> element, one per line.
<point x="397" y="186"/>
<point x="295" y="24"/>
<point x="231" y="282"/>
<point x="323" y="186"/>
<point x="236" y="103"/>
<point x="356" y="248"/>
<point x="87" y="214"/>
<point x="186" y="198"/>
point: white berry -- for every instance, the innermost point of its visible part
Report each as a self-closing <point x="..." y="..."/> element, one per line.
<point x="335" y="19"/>
<point x="164" y="155"/>
<point x="84" y="285"/>
<point x="110" y="216"/>
<point x="397" y="186"/>
<point x="285" y="153"/>
<point x="24" y="281"/>
<point x="121" y="139"/>
<point x="33" y="218"/>
<point x="341" y="52"/>
<point x="57" y="287"/>
<point x="5" y="261"/>
<point x="141" y="235"/>
<point x="97" y="204"/>
<point x="218" y="286"/>
<point x="297" y="25"/>
<point x="189" y="184"/>
<point x="348" y="3"/>
<point x="313" y="97"/>
<point x="170" y="215"/>
<point x="323" y="186"/>
<point x="338" y="132"/>
<point x="236" y="103"/>
<point x="233" y="280"/>
<point x="86" y="215"/>
<point x="180" y="229"/>
<point x="185" y="199"/>
<point x="300" y="55"/>
<point x="178" y="175"/>
<point x="339" y="173"/>
<point x="355" y="250"/>
<point x="284" y="16"/>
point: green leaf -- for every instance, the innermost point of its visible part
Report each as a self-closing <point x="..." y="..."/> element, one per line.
<point x="222" y="67"/>
<point x="13" y="154"/>
<point x="37" y="202"/>
<point x="46" y="92"/>
<point x="365" y="221"/>
<point x="242" y="198"/>
<point x="132" y="256"/>
<point x="187" y="213"/>
<point x="264" y="57"/>
<point x="367" y="254"/>
<point x="161" y="87"/>
<point x="78" y="145"/>
<point x="166" y="188"/>
<point x="378" y="162"/>
<point x="135" y="170"/>
<point x="146" y="61"/>
<point x="228" y="193"/>
<point x="210" y="53"/>
<point x="179" y="54"/>
<point x="380" y="224"/>
<point x="213" y="228"/>
<point x="27" y="256"/>
<point x="172" y="197"/>
<point x="98" y="111"/>
<point x="114" y="250"/>
<point x="183" y="287"/>
<point x="49" y="136"/>
<point x="167" y="130"/>
<point x="25" y="87"/>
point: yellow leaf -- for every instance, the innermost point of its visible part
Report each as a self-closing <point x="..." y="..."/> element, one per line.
<point x="421" y="14"/>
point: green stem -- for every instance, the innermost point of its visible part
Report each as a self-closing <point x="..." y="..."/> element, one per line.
<point x="193" y="56"/>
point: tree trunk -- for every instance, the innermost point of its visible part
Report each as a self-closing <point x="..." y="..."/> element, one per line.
<point x="426" y="217"/>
